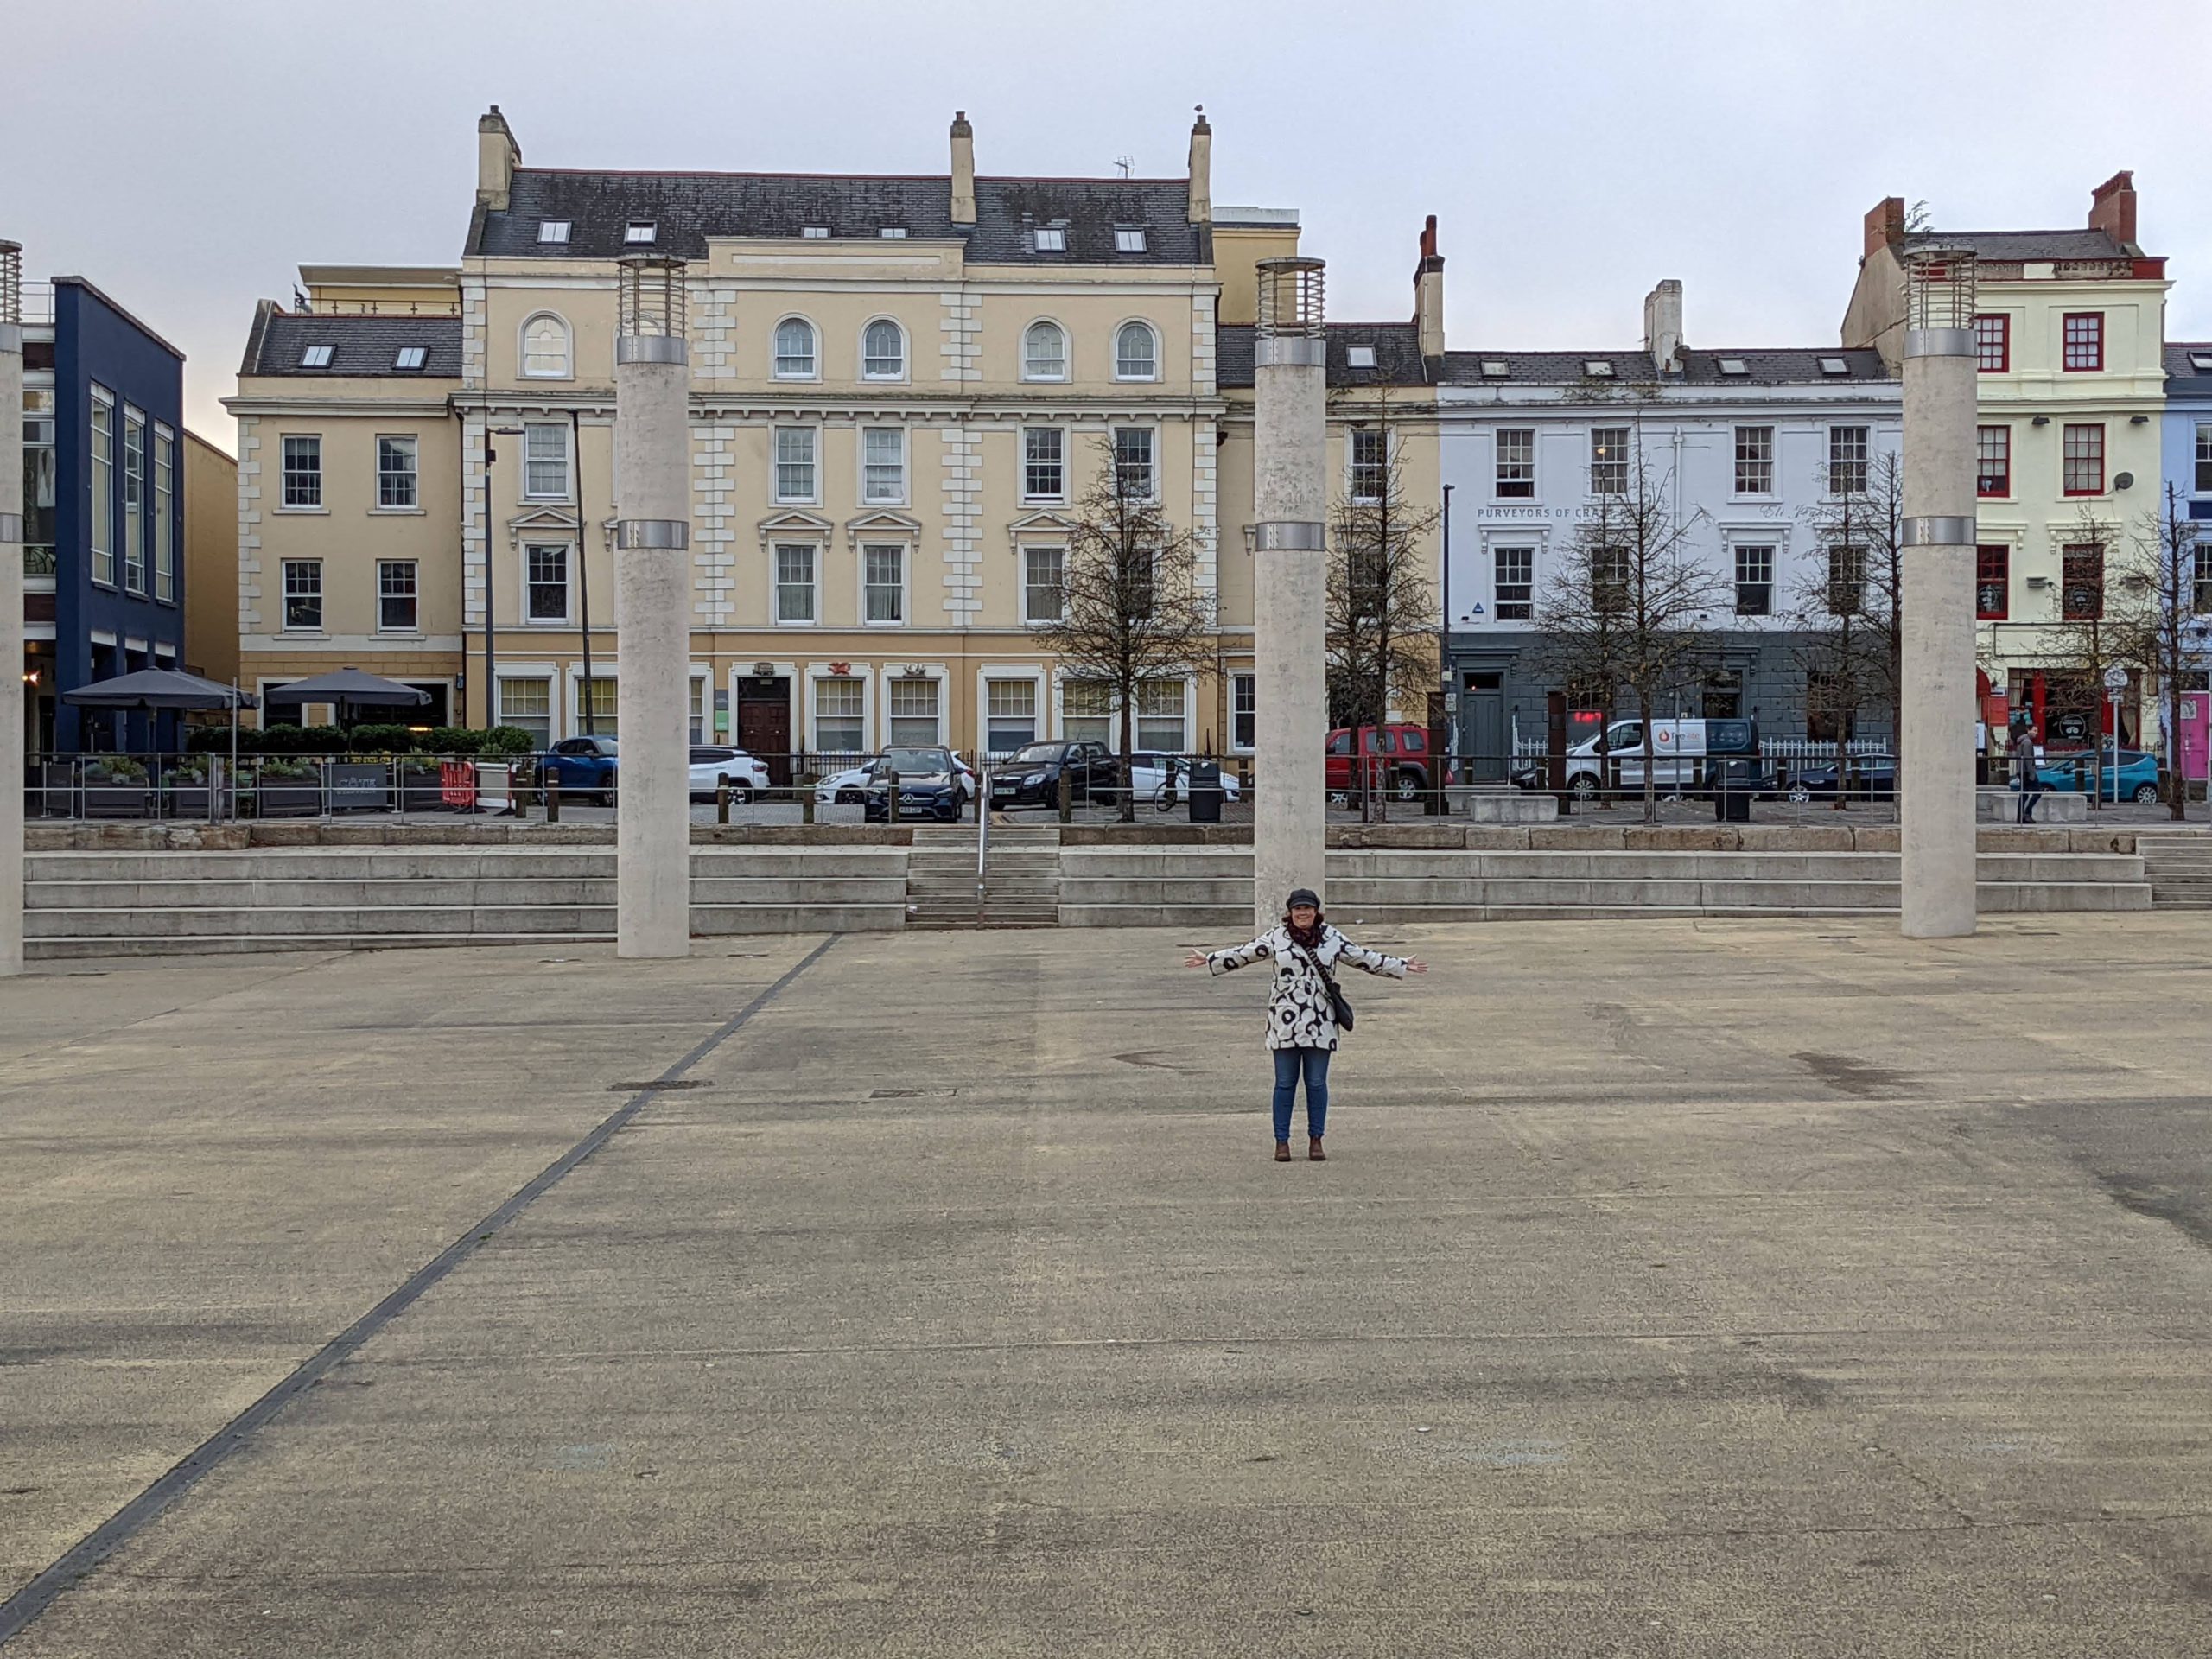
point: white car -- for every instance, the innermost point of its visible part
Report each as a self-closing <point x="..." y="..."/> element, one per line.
<point x="1148" y="771"/>
<point x="715" y="765"/>
<point x="849" y="787"/>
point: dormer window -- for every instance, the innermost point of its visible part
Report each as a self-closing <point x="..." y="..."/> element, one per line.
<point x="1494" y="368"/>
<point x="1834" y="366"/>
<point x="410" y="357"/>
<point x="816" y="233"/>
<point x="1733" y="365"/>
<point x="553" y="231"/>
<point x="640" y="233"/>
<point x="1051" y="239"/>
<point x="1359" y="357"/>
<point x="2201" y="361"/>
<point x="1597" y="368"/>
<point x="1128" y="240"/>
<point x="315" y="357"/>
<point x="892" y="232"/>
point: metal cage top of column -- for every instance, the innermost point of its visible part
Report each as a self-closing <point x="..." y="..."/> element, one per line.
<point x="650" y="296"/>
<point x="11" y="282"/>
<point x="1292" y="298"/>
<point x="1939" y="287"/>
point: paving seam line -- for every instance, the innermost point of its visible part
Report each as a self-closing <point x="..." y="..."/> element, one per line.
<point x="20" y="1610"/>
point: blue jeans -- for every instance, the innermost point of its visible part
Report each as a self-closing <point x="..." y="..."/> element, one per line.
<point x="1314" y="1062"/>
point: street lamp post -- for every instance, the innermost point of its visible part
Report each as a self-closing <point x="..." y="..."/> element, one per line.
<point x="11" y="608"/>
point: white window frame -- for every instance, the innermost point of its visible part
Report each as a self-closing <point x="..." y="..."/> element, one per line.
<point x="410" y="357"/>
<point x="1152" y="464"/>
<point x="1526" y="604"/>
<point x="1865" y="462"/>
<point x="1028" y="615"/>
<point x="1498" y="464"/>
<point x="285" y="597"/>
<point x="1181" y="682"/>
<point x="1152" y="336"/>
<point x="565" y="369"/>
<point x="531" y="460"/>
<point x="884" y="376"/>
<point x="812" y="739"/>
<point x="1627" y="437"/>
<point x="1738" y="461"/>
<point x="777" y="354"/>
<point x="903" y="594"/>
<point x="933" y="676"/>
<point x="1741" y="542"/>
<point x="1128" y="238"/>
<point x="1110" y="737"/>
<point x="544" y="677"/>
<point x="602" y="673"/>
<point x="870" y="469"/>
<point x="568" y="551"/>
<point x="317" y="355"/>
<point x="164" y="512"/>
<point x="134" y="458"/>
<point x="287" y="473"/>
<point x="1029" y="674"/>
<point x="640" y="233"/>
<point x="411" y="473"/>
<point x="815" y="550"/>
<point x="1048" y="238"/>
<point x="1241" y="682"/>
<point x="1353" y="437"/>
<point x="413" y="595"/>
<point x="553" y="232"/>
<point x="1067" y="347"/>
<point x="100" y="529"/>
<point x="1059" y="463"/>
<point x="776" y="462"/>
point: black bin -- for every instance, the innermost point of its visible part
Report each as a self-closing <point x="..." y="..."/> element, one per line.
<point x="1732" y="783"/>
<point x="1206" y="792"/>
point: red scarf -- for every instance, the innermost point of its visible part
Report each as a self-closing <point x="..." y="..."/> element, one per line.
<point x="1306" y="938"/>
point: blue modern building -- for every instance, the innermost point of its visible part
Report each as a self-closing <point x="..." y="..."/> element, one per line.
<point x="104" y="511"/>
<point x="2186" y="445"/>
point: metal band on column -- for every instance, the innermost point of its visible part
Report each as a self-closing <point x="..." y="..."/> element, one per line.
<point x="11" y="527"/>
<point x="651" y="348"/>
<point x="1294" y="351"/>
<point x="1937" y="529"/>
<point x="652" y="533"/>
<point x="1939" y="342"/>
<point x="11" y="338"/>
<point x="1290" y="535"/>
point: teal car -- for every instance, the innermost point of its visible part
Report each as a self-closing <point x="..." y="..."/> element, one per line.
<point x="2138" y="774"/>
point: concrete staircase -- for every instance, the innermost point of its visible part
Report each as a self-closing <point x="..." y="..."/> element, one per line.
<point x="88" y="904"/>
<point x="1022" y="880"/>
<point x="2179" y="866"/>
<point x="941" y="878"/>
<point x="1211" y="887"/>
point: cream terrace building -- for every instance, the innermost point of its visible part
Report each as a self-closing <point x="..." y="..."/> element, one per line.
<point x="900" y="388"/>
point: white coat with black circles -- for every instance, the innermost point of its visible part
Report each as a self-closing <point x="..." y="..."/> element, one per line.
<point x="1298" y="1012"/>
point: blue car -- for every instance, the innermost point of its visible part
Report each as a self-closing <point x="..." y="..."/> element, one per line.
<point x="2137" y="775"/>
<point x="583" y="766"/>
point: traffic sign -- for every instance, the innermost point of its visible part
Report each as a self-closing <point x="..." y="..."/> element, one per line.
<point x="2115" y="679"/>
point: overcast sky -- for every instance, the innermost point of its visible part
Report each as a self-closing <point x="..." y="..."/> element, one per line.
<point x="187" y="157"/>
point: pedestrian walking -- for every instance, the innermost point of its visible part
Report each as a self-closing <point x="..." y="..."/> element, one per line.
<point x="2030" y="771"/>
<point x="1305" y="1007"/>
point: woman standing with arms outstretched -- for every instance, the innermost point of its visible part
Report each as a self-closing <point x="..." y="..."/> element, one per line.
<point x="1301" y="1007"/>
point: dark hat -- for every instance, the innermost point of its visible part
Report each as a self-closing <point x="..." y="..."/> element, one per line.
<point x="1302" y="896"/>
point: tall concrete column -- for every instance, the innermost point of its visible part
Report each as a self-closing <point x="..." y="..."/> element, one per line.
<point x="653" y="594"/>
<point x="12" y="608"/>
<point x="1290" y="488"/>
<point x="1935" y="716"/>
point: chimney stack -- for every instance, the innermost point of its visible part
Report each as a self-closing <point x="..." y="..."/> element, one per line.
<point x="498" y="154"/>
<point x="2112" y="208"/>
<point x="1429" y="295"/>
<point x="963" y="169"/>
<point x="1201" y="170"/>
<point x="1885" y="224"/>
<point x="1662" y="327"/>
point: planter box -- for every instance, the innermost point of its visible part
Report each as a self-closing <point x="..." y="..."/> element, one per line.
<point x="422" y="791"/>
<point x="118" y="800"/>
<point x="190" y="801"/>
<point x="288" y="799"/>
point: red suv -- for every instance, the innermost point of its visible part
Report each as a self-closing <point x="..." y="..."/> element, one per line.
<point x="1398" y="761"/>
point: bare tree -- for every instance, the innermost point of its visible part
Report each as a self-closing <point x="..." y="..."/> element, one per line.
<point x="1632" y="604"/>
<point x="2084" y="643"/>
<point x="2152" y="603"/>
<point x="1131" y="611"/>
<point x="1846" y="611"/>
<point x="1381" y="605"/>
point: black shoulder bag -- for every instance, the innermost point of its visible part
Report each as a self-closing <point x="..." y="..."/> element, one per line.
<point x="1339" y="1004"/>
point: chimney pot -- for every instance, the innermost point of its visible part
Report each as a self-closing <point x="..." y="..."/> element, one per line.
<point x="1662" y="327"/>
<point x="1885" y="223"/>
<point x="1429" y="295"/>
<point x="963" y="169"/>
<point x="2112" y="208"/>
<point x="1201" y="169"/>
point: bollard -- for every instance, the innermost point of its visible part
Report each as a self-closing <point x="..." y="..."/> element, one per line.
<point x="722" y="803"/>
<point x="553" y="799"/>
<point x="805" y="800"/>
<point x="1067" y="795"/>
<point x="891" y="797"/>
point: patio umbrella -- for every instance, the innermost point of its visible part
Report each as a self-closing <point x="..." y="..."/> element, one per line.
<point x="349" y="687"/>
<point x="159" y="688"/>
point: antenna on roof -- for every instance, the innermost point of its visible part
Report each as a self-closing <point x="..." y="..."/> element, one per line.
<point x="1127" y="164"/>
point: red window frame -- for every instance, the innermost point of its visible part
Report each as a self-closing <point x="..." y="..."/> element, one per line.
<point x="2091" y="340"/>
<point x="1993" y="338"/>
<point x="1993" y="575"/>
<point x="2067" y="458"/>
<point x="1992" y="462"/>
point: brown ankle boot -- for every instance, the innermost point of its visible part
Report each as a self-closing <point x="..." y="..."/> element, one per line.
<point x="1314" y="1149"/>
<point x="1283" y="1152"/>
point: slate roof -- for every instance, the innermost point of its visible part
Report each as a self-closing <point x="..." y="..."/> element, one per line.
<point x="2183" y="378"/>
<point x="2004" y="246"/>
<point x="1786" y="366"/>
<point x="1397" y="355"/>
<point x="360" y="346"/>
<point x="687" y="209"/>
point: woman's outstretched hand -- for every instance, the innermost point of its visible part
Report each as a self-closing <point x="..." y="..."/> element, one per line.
<point x="1196" y="959"/>
<point x="1415" y="965"/>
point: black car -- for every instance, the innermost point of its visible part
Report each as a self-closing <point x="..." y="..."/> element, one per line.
<point x="1031" y="775"/>
<point x="1873" y="778"/>
<point x="929" y="786"/>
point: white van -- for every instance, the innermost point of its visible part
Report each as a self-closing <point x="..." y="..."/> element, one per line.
<point x="1679" y="749"/>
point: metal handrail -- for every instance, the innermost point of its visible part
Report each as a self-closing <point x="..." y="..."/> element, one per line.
<point x="982" y="828"/>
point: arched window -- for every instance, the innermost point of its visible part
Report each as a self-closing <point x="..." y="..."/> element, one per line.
<point x="795" y="349"/>
<point x="1044" y="353"/>
<point x="546" y="348"/>
<point x="1136" y="353"/>
<point x="883" y="351"/>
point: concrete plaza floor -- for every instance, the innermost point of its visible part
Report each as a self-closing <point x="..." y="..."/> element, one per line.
<point x="1679" y="1289"/>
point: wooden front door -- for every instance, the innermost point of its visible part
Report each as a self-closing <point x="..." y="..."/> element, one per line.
<point x="764" y="726"/>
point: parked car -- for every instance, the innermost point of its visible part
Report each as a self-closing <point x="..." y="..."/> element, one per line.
<point x="714" y="764"/>
<point x="1398" y="761"/>
<point x="1873" y="778"/>
<point x="582" y="766"/>
<point x="929" y="786"/>
<point x="1679" y="752"/>
<point x="1149" y="773"/>
<point x="2137" y="779"/>
<point x="849" y="787"/>
<point x="1031" y="775"/>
